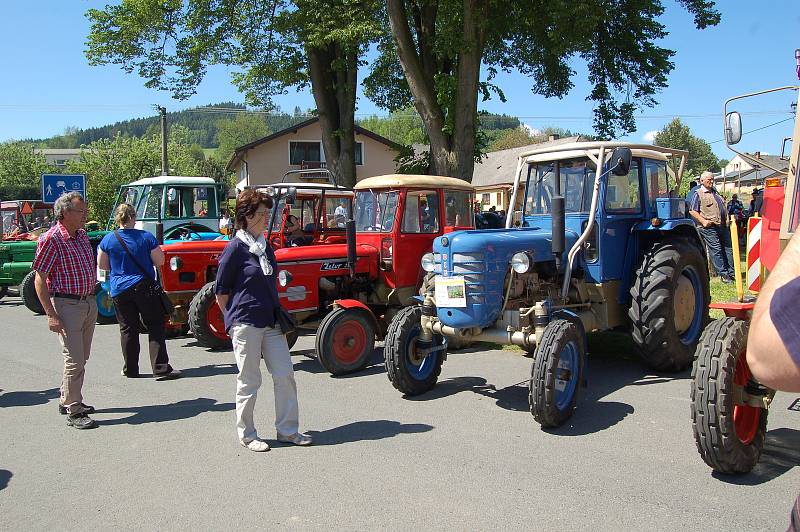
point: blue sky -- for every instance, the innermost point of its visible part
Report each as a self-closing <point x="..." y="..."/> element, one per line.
<point x="48" y="85"/>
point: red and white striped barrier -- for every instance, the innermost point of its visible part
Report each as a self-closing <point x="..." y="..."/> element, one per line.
<point x="754" y="254"/>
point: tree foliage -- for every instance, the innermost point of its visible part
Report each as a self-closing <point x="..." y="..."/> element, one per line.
<point x="21" y="169"/>
<point x="277" y="44"/>
<point x="439" y="48"/>
<point x="109" y="163"/>
<point x="676" y="134"/>
<point x="236" y="132"/>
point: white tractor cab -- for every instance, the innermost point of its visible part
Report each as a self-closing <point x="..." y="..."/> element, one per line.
<point x="174" y="207"/>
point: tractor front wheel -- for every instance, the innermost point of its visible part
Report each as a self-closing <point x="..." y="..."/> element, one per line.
<point x="106" y="313"/>
<point x="413" y="367"/>
<point x="27" y="290"/>
<point x="669" y="304"/>
<point x="729" y="436"/>
<point x="428" y="287"/>
<point x="556" y="373"/>
<point x="345" y="340"/>
<point x="206" y="321"/>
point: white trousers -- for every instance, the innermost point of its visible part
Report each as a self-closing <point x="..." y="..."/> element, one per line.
<point x="250" y="345"/>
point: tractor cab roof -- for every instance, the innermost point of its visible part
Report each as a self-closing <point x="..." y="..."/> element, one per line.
<point x="173" y="180"/>
<point x="407" y="180"/>
<point x="572" y="150"/>
<point x="310" y="189"/>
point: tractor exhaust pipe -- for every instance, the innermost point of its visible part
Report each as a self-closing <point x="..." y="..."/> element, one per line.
<point x="351" y="246"/>
<point x="558" y="228"/>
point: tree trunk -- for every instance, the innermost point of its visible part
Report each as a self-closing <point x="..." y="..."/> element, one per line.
<point x="334" y="76"/>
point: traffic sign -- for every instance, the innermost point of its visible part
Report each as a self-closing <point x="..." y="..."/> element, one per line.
<point x="26" y="208"/>
<point x="54" y="185"/>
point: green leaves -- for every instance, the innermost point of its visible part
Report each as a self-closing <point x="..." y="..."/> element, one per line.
<point x="676" y="134"/>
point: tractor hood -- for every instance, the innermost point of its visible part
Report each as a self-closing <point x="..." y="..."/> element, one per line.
<point x="482" y="258"/>
<point x="329" y="252"/>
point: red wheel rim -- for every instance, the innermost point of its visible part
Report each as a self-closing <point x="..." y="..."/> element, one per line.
<point x="349" y="341"/>
<point x="216" y="321"/>
<point x="745" y="418"/>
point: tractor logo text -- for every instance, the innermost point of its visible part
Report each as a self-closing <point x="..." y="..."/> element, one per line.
<point x="328" y="266"/>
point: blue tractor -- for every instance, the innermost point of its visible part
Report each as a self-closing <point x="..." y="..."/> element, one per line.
<point x="601" y="243"/>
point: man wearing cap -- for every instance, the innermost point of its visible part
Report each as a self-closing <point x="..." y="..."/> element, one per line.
<point x="708" y="211"/>
<point x="65" y="281"/>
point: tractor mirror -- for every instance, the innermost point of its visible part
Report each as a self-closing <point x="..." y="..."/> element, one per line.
<point x="291" y="195"/>
<point x="621" y="161"/>
<point x="733" y="128"/>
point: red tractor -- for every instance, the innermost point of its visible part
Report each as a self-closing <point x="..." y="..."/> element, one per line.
<point x="190" y="266"/>
<point x="729" y="407"/>
<point x="350" y="292"/>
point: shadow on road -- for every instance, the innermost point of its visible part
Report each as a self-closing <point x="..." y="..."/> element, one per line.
<point x="312" y="365"/>
<point x="781" y="453"/>
<point x="210" y="370"/>
<point x="28" y="398"/>
<point x="5" y="477"/>
<point x="378" y="429"/>
<point x="161" y="413"/>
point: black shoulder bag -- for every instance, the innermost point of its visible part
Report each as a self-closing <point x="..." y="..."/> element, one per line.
<point x="153" y="287"/>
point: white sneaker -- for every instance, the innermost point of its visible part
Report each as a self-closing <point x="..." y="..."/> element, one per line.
<point x="258" y="446"/>
<point x="298" y="438"/>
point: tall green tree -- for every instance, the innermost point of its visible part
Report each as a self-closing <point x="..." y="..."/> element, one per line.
<point x="236" y="132"/>
<point x="676" y="134"/>
<point x="277" y="44"/>
<point x="440" y="47"/>
<point x="21" y="169"/>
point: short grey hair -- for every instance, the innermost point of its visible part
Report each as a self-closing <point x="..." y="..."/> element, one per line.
<point x="64" y="203"/>
<point x="707" y="174"/>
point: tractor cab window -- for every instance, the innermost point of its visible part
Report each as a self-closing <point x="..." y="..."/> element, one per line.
<point x="305" y="212"/>
<point x="150" y="204"/>
<point x="336" y="212"/>
<point x="375" y="211"/>
<point x="191" y="202"/>
<point x="576" y="177"/>
<point x="657" y="180"/>
<point x="131" y="196"/>
<point x="9" y="221"/>
<point x="457" y="211"/>
<point x="622" y="192"/>
<point x="421" y="212"/>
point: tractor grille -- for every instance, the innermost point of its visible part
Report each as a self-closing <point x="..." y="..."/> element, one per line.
<point x="472" y="267"/>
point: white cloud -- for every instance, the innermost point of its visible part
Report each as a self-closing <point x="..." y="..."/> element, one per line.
<point x="531" y="130"/>
<point x="650" y="136"/>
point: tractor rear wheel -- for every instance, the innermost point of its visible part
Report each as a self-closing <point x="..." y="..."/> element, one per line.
<point x="106" y="312"/>
<point x="729" y="437"/>
<point x="345" y="340"/>
<point x="669" y="304"/>
<point x="556" y="373"/>
<point x="27" y="292"/>
<point x="410" y="371"/>
<point x="206" y="321"/>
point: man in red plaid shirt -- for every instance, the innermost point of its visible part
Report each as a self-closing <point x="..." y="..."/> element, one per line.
<point x="65" y="281"/>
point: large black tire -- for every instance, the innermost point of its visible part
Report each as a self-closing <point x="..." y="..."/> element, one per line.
<point x="27" y="292"/>
<point x="669" y="304"/>
<point x="345" y="340"/>
<point x="556" y="373"/>
<point x="204" y="322"/>
<point x="428" y="287"/>
<point x="407" y="373"/>
<point x="727" y="442"/>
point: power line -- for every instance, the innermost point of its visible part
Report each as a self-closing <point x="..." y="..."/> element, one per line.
<point x="759" y="128"/>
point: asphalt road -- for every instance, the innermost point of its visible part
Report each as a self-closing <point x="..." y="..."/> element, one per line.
<point x="467" y="455"/>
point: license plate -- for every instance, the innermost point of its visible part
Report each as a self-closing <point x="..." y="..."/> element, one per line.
<point x="450" y="292"/>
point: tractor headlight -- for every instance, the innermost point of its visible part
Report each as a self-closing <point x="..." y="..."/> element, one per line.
<point x="175" y="264"/>
<point x="284" y="278"/>
<point x="428" y="262"/>
<point x="521" y="262"/>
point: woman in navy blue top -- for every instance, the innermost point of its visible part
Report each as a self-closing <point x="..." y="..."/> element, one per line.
<point x="131" y="294"/>
<point x="247" y="292"/>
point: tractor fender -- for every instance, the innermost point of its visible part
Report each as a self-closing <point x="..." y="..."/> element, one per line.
<point x="356" y="304"/>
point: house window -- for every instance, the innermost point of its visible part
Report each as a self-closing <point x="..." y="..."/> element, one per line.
<point x="312" y="151"/>
<point x="304" y="151"/>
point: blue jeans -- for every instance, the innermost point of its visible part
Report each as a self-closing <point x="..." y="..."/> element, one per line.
<point x="718" y="242"/>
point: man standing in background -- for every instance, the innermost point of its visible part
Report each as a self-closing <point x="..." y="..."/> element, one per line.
<point x="65" y="281"/>
<point x="708" y="210"/>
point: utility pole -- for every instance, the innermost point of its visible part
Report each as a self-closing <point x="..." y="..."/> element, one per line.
<point x="164" y="164"/>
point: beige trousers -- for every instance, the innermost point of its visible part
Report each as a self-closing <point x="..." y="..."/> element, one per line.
<point x="78" y="317"/>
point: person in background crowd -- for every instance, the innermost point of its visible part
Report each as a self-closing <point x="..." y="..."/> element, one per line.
<point x="757" y="202"/>
<point x="247" y="292"/>
<point x="294" y="232"/>
<point x="708" y="211"/>
<point x="735" y="207"/>
<point x="65" y="281"/>
<point x="690" y="194"/>
<point x="225" y="223"/>
<point x="132" y="293"/>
